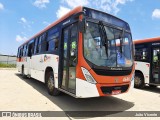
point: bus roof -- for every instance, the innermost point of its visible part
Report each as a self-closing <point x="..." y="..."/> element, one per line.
<point x="147" y="40"/>
<point x="116" y="20"/>
<point x="75" y="10"/>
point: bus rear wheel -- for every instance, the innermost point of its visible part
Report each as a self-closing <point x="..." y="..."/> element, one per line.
<point x="50" y="84"/>
<point x="138" y="80"/>
<point x="22" y="72"/>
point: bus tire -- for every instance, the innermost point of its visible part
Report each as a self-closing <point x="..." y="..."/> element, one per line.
<point x="22" y="72"/>
<point x="50" y="84"/>
<point x="139" y="80"/>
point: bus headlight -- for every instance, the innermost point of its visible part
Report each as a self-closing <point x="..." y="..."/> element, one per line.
<point x="88" y="76"/>
<point x="132" y="81"/>
<point x="132" y="77"/>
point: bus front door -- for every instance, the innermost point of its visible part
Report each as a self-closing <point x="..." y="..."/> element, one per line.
<point x="155" y="66"/>
<point x="69" y="58"/>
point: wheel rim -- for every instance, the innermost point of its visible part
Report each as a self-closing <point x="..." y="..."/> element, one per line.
<point x="51" y="83"/>
<point x="137" y="81"/>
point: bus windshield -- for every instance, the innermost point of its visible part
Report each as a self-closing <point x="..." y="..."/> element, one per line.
<point x="112" y="50"/>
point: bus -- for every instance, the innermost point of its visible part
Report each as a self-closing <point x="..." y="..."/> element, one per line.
<point x="86" y="53"/>
<point x="147" y="62"/>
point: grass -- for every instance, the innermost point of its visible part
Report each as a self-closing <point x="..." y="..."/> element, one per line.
<point x="3" y="65"/>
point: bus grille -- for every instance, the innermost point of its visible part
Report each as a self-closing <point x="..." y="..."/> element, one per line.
<point x="108" y="89"/>
<point x="111" y="72"/>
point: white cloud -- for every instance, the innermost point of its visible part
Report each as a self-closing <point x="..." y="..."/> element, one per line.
<point x="26" y="24"/>
<point x="20" y="38"/>
<point x="71" y="4"/>
<point x="110" y="6"/>
<point x="75" y="3"/>
<point x="23" y="20"/>
<point x="156" y="14"/>
<point x="121" y="1"/>
<point x="62" y="11"/>
<point x="1" y="6"/>
<point x="41" y="3"/>
<point x="104" y="5"/>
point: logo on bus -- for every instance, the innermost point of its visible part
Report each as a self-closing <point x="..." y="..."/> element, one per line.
<point x="116" y="80"/>
<point x="155" y="43"/>
<point x="116" y="68"/>
<point x="68" y="21"/>
<point x="46" y="58"/>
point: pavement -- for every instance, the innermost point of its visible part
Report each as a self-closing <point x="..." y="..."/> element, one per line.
<point x="23" y="94"/>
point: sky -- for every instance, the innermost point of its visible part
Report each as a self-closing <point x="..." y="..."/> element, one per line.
<point x="21" y="19"/>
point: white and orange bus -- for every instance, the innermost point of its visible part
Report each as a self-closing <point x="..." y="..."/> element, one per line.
<point x="86" y="53"/>
<point x="147" y="62"/>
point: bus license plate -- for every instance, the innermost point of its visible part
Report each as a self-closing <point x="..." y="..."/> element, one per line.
<point x="115" y="92"/>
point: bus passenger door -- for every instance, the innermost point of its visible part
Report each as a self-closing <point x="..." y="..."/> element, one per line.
<point x="69" y="58"/>
<point x="155" y="66"/>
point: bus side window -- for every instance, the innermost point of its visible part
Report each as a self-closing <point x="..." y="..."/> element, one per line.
<point x="21" y="54"/>
<point x="39" y="45"/>
<point x="52" y="41"/>
<point x="30" y="48"/>
<point x="141" y="54"/>
<point x="18" y="53"/>
<point x="33" y="44"/>
<point x="36" y="46"/>
<point x="43" y="43"/>
<point x="56" y="43"/>
<point x="25" y="50"/>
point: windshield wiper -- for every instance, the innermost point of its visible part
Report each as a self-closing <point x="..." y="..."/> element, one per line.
<point x="104" y="37"/>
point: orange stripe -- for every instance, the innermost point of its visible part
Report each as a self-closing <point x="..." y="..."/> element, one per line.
<point x="146" y="40"/>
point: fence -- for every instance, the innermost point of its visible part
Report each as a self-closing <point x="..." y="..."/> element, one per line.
<point x="7" y="59"/>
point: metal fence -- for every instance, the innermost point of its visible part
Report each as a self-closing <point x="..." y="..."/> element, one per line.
<point x="8" y="59"/>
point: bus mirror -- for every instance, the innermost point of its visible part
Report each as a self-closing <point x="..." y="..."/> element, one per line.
<point x="82" y="26"/>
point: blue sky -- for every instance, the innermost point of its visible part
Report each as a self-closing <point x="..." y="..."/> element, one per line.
<point x="21" y="19"/>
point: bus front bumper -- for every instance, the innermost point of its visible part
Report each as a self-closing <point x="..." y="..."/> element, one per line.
<point x="85" y="89"/>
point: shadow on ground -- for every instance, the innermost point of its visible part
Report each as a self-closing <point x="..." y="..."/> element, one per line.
<point x="108" y="105"/>
<point x="151" y="89"/>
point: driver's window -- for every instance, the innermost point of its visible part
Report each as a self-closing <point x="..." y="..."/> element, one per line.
<point x="92" y="43"/>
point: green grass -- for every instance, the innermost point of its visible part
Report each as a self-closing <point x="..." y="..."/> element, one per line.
<point x="3" y="65"/>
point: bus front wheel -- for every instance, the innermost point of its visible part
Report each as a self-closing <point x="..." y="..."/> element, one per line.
<point x="50" y="84"/>
<point x="138" y="80"/>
